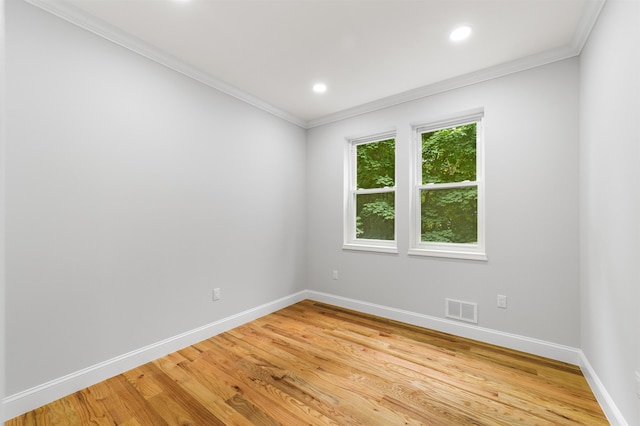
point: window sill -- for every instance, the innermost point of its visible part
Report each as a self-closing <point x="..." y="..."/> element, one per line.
<point x="451" y="254"/>
<point x="370" y="247"/>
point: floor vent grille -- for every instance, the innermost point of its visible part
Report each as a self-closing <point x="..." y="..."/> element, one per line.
<point x="463" y="311"/>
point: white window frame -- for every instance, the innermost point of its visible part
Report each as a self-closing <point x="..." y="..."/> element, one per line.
<point x="440" y="249"/>
<point x="351" y="242"/>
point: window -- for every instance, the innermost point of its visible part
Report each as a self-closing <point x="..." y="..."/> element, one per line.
<point x="448" y="191"/>
<point x="370" y="198"/>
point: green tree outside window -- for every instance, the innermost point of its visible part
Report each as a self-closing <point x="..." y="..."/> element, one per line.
<point x="449" y="215"/>
<point x="375" y="212"/>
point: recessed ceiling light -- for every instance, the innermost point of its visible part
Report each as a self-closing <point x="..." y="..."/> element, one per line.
<point x="460" y="33"/>
<point x="319" y="87"/>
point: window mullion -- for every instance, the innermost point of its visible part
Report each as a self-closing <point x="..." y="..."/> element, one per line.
<point x="374" y="190"/>
<point x="463" y="184"/>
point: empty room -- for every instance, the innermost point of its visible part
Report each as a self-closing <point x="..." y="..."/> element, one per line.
<point x="343" y="212"/>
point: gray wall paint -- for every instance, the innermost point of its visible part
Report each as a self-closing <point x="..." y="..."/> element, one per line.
<point x="531" y="123"/>
<point x="610" y="202"/>
<point x="3" y="121"/>
<point x="124" y="210"/>
<point x="132" y="191"/>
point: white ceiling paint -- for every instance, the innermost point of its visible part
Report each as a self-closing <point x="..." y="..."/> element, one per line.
<point x="370" y="54"/>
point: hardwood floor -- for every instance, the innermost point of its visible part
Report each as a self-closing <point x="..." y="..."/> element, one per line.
<point x="317" y="364"/>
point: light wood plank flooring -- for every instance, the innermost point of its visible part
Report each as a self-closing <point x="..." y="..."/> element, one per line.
<point x="317" y="364"/>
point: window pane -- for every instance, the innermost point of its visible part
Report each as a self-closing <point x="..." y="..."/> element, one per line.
<point x="450" y="215"/>
<point x="376" y="162"/>
<point x="449" y="155"/>
<point x="375" y="215"/>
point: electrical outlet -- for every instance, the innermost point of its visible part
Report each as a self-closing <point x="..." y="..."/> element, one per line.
<point x="502" y="301"/>
<point x="335" y="275"/>
<point x="216" y="294"/>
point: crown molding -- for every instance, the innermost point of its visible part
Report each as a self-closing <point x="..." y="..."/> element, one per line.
<point x="588" y="20"/>
<point x="574" y="48"/>
<point x="447" y="85"/>
<point x="97" y="26"/>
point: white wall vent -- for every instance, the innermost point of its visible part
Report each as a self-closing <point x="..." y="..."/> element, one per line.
<point x="460" y="310"/>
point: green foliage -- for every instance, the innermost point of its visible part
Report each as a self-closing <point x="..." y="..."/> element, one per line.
<point x="375" y="216"/>
<point x="376" y="164"/>
<point x="449" y="155"/>
<point x="375" y="213"/>
<point x="449" y="215"/>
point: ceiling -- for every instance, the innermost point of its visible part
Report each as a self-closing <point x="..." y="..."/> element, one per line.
<point x="369" y="53"/>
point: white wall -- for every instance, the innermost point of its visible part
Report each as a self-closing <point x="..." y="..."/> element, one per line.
<point x="610" y="202"/>
<point x="132" y="191"/>
<point x="531" y="123"/>
<point x="2" y="208"/>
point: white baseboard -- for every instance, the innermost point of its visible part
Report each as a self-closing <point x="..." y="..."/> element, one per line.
<point x="600" y="392"/>
<point x="513" y="341"/>
<point x="30" y="399"/>
<point x="507" y="340"/>
<point x="45" y="393"/>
